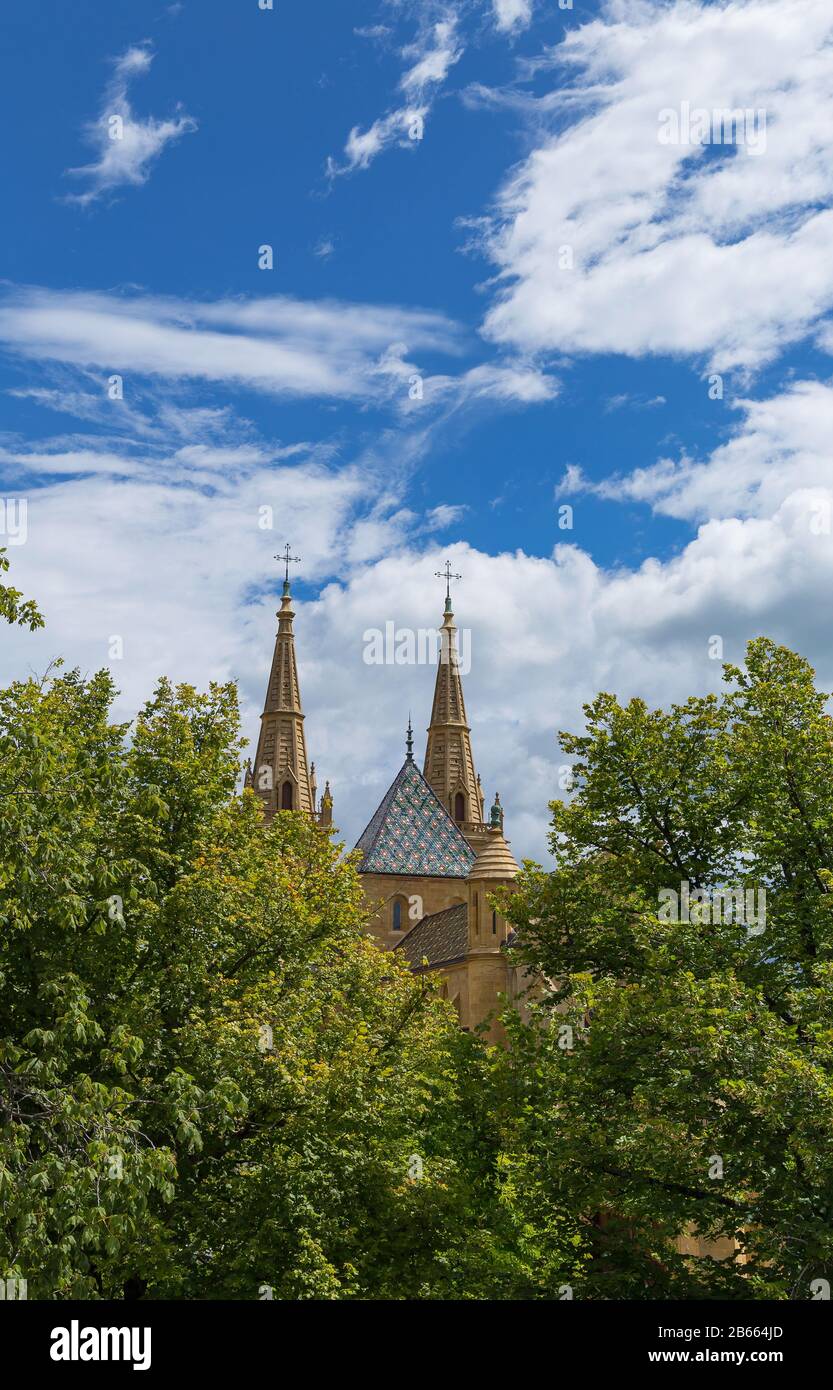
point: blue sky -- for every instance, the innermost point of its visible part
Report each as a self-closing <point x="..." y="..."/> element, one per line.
<point x="696" y="513"/>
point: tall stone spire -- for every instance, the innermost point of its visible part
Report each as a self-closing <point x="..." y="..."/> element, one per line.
<point x="281" y="773"/>
<point x="449" y="763"/>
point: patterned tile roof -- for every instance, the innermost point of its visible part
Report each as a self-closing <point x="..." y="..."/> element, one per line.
<point x="441" y="938"/>
<point x="412" y="833"/>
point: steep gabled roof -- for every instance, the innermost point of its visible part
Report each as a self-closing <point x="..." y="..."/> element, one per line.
<point x="440" y="939"/>
<point x="412" y="833"/>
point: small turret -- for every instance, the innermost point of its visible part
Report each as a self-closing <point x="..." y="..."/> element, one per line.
<point x="494" y="867"/>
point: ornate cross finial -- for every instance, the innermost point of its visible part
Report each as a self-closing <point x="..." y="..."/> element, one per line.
<point x="288" y="558"/>
<point x="447" y="576"/>
<point x="409" y="740"/>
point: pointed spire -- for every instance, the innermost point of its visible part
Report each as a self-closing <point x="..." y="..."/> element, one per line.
<point x="326" y="813"/>
<point x="281" y="775"/>
<point x="449" y="762"/>
<point x="409" y="740"/>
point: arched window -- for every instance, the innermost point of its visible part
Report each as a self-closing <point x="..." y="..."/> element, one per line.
<point x="398" y="914"/>
<point x="459" y="807"/>
<point x="286" y="796"/>
<point x="476" y="915"/>
<point x="494" y="924"/>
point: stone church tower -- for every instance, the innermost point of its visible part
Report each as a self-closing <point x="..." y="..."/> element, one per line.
<point x="281" y="776"/>
<point x="449" y="761"/>
<point x="428" y="860"/>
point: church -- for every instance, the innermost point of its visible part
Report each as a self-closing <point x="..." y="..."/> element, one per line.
<point x="428" y="859"/>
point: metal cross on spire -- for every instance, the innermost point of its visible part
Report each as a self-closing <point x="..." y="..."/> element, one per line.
<point x="288" y="558"/>
<point x="447" y="576"/>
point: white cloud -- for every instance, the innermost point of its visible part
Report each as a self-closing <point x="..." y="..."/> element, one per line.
<point x="362" y="146"/>
<point x="722" y="257"/>
<point x="512" y="15"/>
<point x="277" y="345"/>
<point x="433" y="58"/>
<point x="172" y="559"/>
<point x="779" y="453"/>
<point x="285" y="347"/>
<point x="633" y="402"/>
<point x="432" y="54"/>
<point x="444" y="515"/>
<point x="503" y="383"/>
<point x="126" y="145"/>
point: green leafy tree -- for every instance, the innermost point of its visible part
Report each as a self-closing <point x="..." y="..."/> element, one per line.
<point x="14" y="608"/>
<point x="212" y="1083"/>
<point x="677" y="1078"/>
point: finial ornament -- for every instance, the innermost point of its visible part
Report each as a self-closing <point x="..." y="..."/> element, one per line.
<point x="447" y="576"/>
<point x="409" y="740"/>
<point x="288" y="558"/>
<point x="496" y="814"/>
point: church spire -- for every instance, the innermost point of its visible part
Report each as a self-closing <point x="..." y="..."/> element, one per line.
<point x="449" y="763"/>
<point x="281" y="773"/>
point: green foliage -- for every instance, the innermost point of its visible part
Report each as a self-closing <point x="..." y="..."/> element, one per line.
<point x="14" y="608"/>
<point x="212" y="1083"/>
<point x="695" y="1043"/>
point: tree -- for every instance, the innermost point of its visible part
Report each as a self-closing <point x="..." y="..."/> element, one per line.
<point x="678" y="1074"/>
<point x="13" y="607"/>
<point x="212" y="1083"/>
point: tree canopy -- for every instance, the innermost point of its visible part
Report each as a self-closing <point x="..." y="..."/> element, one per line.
<point x="212" y="1082"/>
<point x="678" y="1075"/>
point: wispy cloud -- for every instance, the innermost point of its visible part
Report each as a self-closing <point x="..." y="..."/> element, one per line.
<point x="778" y="455"/>
<point x="633" y="402"/>
<point x="126" y="145"/>
<point x="367" y="354"/>
<point x="446" y="514"/>
<point x="278" y="345"/>
<point x="512" y="15"/>
<point x="432" y="54"/>
<point x="372" y="31"/>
